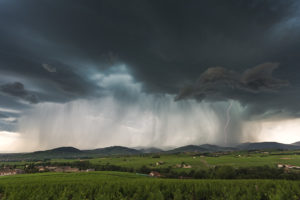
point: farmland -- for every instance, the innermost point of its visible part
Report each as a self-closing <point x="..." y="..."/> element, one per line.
<point x="237" y="159"/>
<point x="177" y="163"/>
<point x="217" y="175"/>
<point x="120" y="185"/>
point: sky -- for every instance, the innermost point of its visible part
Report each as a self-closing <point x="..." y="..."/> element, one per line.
<point x="143" y="73"/>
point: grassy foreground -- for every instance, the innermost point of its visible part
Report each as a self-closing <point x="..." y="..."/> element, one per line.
<point x="119" y="185"/>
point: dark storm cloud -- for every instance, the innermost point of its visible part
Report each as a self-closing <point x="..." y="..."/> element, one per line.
<point x="49" y="68"/>
<point x="59" y="82"/>
<point x="256" y="88"/>
<point x="17" y="89"/>
<point x="218" y="81"/>
<point x="3" y="116"/>
<point x="164" y="43"/>
<point x="8" y="121"/>
<point x="260" y="78"/>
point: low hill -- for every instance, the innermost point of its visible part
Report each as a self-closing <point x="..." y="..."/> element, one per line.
<point x="61" y="152"/>
<point x="114" y="150"/>
<point x="296" y="143"/>
<point x="150" y="150"/>
<point x="188" y="148"/>
<point x="74" y="153"/>
<point x="200" y="148"/>
<point x="214" y="148"/>
<point x="69" y="153"/>
<point x="266" y="145"/>
<point x="65" y="150"/>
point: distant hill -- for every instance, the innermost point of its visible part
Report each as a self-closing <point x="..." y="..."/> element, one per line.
<point x="150" y="150"/>
<point x="266" y="145"/>
<point x="296" y="143"/>
<point x="61" y="152"/>
<point x="114" y="150"/>
<point x="243" y="146"/>
<point x="188" y="148"/>
<point x="70" y="153"/>
<point x="214" y="148"/>
<point x="200" y="148"/>
<point x="74" y="153"/>
<point x="65" y="150"/>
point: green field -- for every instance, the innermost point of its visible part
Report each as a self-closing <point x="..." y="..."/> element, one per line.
<point x="234" y="159"/>
<point x="196" y="161"/>
<point x="118" y="185"/>
<point x="244" y="175"/>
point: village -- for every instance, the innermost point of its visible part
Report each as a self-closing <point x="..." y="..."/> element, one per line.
<point x="6" y="171"/>
<point x="13" y="170"/>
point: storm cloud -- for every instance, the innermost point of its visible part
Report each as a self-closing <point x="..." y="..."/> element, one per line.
<point x="164" y="43"/>
<point x="225" y="84"/>
<point x="17" y="89"/>
<point x="61" y="53"/>
<point x="49" y="68"/>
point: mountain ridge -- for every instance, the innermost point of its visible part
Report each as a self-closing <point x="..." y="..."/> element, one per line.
<point x="72" y="152"/>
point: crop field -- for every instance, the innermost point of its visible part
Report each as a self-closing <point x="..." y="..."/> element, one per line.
<point x="196" y="161"/>
<point x="254" y="160"/>
<point x="120" y="185"/>
<point x="235" y="159"/>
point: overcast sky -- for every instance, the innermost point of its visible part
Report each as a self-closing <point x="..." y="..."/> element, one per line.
<point x="167" y="73"/>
